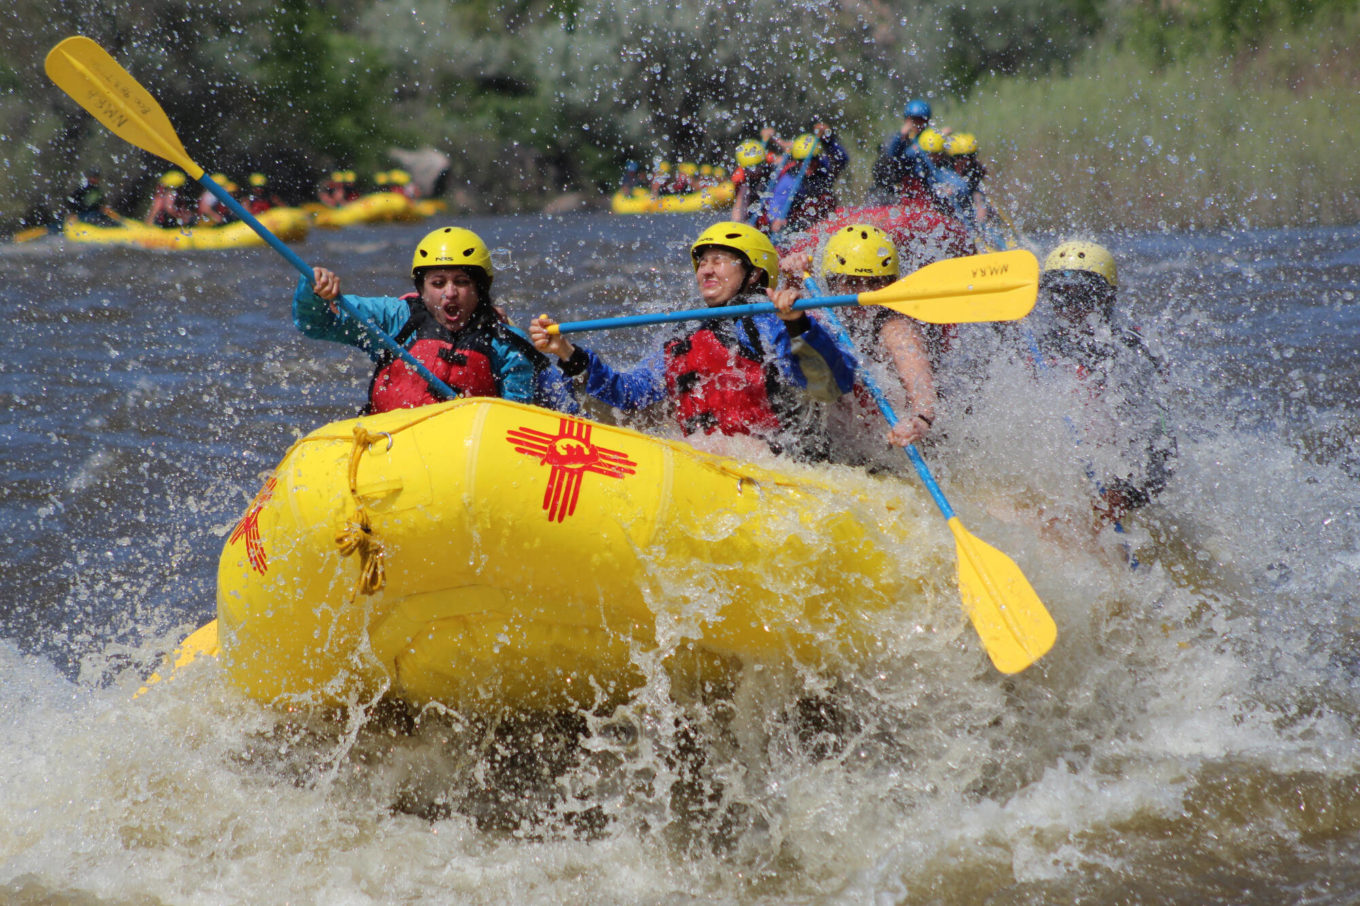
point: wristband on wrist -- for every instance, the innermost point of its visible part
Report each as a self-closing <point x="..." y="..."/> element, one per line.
<point x="576" y="363"/>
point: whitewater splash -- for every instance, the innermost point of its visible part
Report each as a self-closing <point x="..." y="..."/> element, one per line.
<point x="1191" y="736"/>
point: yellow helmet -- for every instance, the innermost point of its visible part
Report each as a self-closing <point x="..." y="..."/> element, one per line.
<point x="720" y="172"/>
<point x="930" y="141"/>
<point x="749" y="242"/>
<point x="258" y="179"/>
<point x="750" y="153"/>
<point x="961" y="143"/>
<point x="706" y="170"/>
<point x="398" y="177"/>
<point x="803" y="145"/>
<point x="220" y="178"/>
<point x="337" y="176"/>
<point x="173" y="179"/>
<point x="688" y="168"/>
<point x="1079" y="255"/>
<point x="381" y="178"/>
<point x="663" y="167"/>
<point x="452" y="247"/>
<point x="860" y="250"/>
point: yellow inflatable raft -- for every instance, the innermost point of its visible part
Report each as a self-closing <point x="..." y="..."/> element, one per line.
<point x="375" y="207"/>
<point x="486" y="554"/>
<point x="639" y="201"/>
<point x="289" y="224"/>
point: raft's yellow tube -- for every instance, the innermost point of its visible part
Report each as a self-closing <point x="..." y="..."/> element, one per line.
<point x="532" y="559"/>
<point x="375" y="207"/>
<point x="719" y="196"/>
<point x="289" y="224"/>
<point x="639" y="201"/>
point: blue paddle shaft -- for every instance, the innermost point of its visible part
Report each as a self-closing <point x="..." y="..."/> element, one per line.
<point x="341" y="302"/>
<point x="783" y="212"/>
<point x="843" y="337"/>
<point x="722" y="311"/>
<point x="758" y="204"/>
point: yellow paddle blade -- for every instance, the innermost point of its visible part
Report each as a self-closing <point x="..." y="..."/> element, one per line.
<point x="1012" y="622"/>
<point x="31" y="233"/>
<point x="86" y="72"/>
<point x="997" y="287"/>
<point x="202" y="642"/>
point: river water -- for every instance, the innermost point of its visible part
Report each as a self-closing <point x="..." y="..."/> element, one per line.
<point x="1190" y="739"/>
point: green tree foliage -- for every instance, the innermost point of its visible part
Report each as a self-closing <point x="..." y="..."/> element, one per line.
<point x="1025" y="36"/>
<point x="1169" y="31"/>
<point x="534" y="97"/>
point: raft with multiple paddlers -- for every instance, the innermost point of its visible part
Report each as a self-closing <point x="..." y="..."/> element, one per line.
<point x="426" y="553"/>
<point x="377" y="207"/>
<point x="289" y="224"/>
<point x="487" y="554"/>
<point x="640" y="201"/>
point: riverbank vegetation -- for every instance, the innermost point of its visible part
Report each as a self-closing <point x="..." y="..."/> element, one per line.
<point x="1091" y="113"/>
<point x="1262" y="134"/>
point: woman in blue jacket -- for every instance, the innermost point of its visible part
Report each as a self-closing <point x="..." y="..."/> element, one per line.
<point x="449" y="324"/>
<point x="746" y="376"/>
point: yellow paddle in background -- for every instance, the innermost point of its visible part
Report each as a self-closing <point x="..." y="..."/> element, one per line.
<point x="96" y="81"/>
<point x="85" y="71"/>
<point x="996" y="287"/>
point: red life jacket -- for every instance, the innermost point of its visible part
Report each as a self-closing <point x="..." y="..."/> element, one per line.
<point x="717" y="386"/>
<point x="462" y="360"/>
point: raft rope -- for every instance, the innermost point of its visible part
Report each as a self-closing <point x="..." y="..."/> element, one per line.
<point x="357" y="536"/>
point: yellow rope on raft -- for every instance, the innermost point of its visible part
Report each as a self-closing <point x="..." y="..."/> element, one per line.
<point x="357" y="537"/>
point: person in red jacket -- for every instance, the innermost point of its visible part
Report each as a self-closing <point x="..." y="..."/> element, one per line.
<point x="450" y="324"/>
<point x="736" y="377"/>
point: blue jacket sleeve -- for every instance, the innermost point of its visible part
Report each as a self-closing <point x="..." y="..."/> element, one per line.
<point x="833" y="158"/>
<point x="313" y="316"/>
<point x="951" y="187"/>
<point x="841" y="364"/>
<point x="548" y="386"/>
<point x="556" y="391"/>
<point x="636" y="388"/>
<point x="515" y="372"/>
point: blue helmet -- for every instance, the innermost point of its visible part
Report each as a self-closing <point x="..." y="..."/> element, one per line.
<point x="917" y="109"/>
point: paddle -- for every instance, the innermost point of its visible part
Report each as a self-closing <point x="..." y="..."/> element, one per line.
<point x="758" y="204"/>
<point x="1012" y="239"/>
<point x="28" y="235"/>
<point x="95" y="80"/>
<point x="786" y="203"/>
<point x="995" y="287"/>
<point x="1013" y="624"/>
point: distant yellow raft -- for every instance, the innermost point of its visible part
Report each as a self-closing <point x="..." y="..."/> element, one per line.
<point x="289" y="224"/>
<point x="639" y="201"/>
<point x="485" y="554"/>
<point x="376" y="207"/>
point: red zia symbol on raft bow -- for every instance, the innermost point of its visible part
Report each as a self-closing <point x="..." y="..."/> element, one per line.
<point x="570" y="454"/>
<point x="249" y="528"/>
